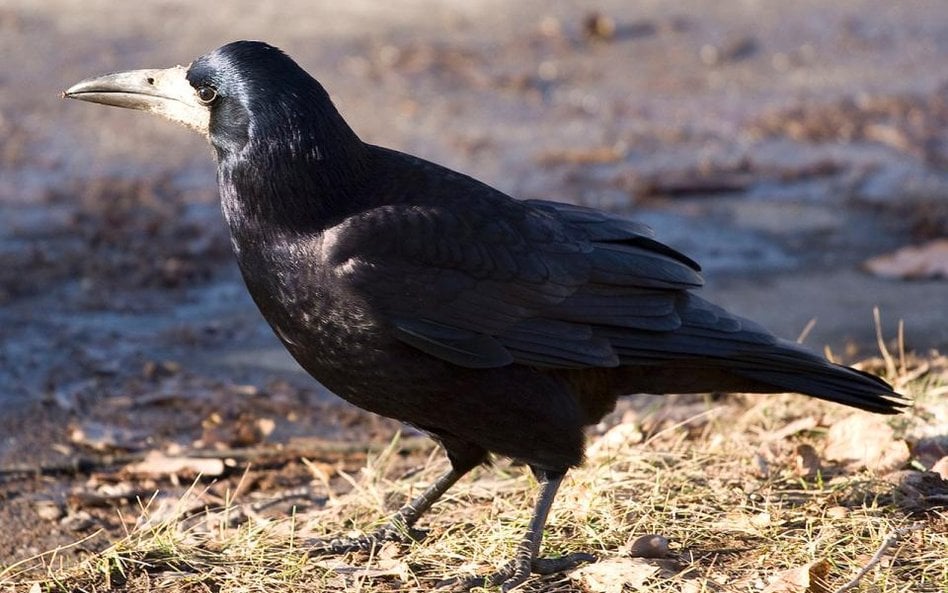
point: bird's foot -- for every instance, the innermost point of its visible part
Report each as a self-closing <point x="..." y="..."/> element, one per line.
<point x="390" y="532"/>
<point x="515" y="572"/>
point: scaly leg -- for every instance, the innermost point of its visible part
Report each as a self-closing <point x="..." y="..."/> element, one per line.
<point x="463" y="456"/>
<point x="397" y="528"/>
<point x="527" y="559"/>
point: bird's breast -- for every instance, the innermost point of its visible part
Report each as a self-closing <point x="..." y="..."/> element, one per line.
<point x="327" y="329"/>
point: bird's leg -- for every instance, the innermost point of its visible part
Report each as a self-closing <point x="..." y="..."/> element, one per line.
<point x="398" y="527"/>
<point x="527" y="559"/>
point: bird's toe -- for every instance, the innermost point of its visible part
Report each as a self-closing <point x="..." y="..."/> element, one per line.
<point x="561" y="564"/>
<point x="517" y="571"/>
<point x="389" y="532"/>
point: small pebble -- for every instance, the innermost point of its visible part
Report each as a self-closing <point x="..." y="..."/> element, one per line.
<point x="48" y="510"/>
<point x="761" y="520"/>
<point x="599" y="27"/>
<point x="837" y="512"/>
<point x="650" y="545"/>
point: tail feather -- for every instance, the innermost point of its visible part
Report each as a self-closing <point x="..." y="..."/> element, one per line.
<point x="764" y="368"/>
<point x="870" y="400"/>
<point x="792" y="368"/>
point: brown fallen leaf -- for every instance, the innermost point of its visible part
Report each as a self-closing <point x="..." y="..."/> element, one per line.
<point x="700" y="585"/>
<point x="807" y="461"/>
<point x="804" y="579"/>
<point x="798" y="425"/>
<point x="837" y="512"/>
<point x="894" y="136"/>
<point x="928" y="450"/>
<point x="245" y="430"/>
<point x="864" y="441"/>
<point x="104" y="437"/>
<point x="615" y="439"/>
<point x="386" y="568"/>
<point x="918" y="491"/>
<point x="941" y="468"/>
<point x="614" y="575"/>
<point x="599" y="27"/>
<point x="48" y="510"/>
<point x="582" y="156"/>
<point x="920" y="262"/>
<point x="690" y="183"/>
<point x="165" y="508"/>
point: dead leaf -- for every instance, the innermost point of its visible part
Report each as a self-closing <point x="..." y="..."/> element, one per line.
<point x="48" y="510"/>
<point x="599" y="27"/>
<point x="77" y="520"/>
<point x="761" y="520"/>
<point x="941" y="468"/>
<point x="865" y="441"/>
<point x="807" y="461"/>
<point x="913" y="262"/>
<point x="157" y="463"/>
<point x="68" y="396"/>
<point x="798" y="425"/>
<point x="104" y="437"/>
<point x="615" y="439"/>
<point x="614" y="575"/>
<point x="928" y="450"/>
<point x="265" y="426"/>
<point x="386" y="568"/>
<point x="105" y="494"/>
<point x="918" y="491"/>
<point x="583" y="156"/>
<point x="244" y="430"/>
<point x="166" y="508"/>
<point x="699" y="585"/>
<point x="837" y="512"/>
<point x="805" y="579"/>
<point x="761" y="465"/>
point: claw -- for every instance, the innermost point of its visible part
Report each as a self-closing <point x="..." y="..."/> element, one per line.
<point x="545" y="566"/>
<point x="515" y="572"/>
<point x="401" y="526"/>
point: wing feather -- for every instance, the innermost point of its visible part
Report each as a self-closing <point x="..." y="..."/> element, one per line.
<point x="533" y="282"/>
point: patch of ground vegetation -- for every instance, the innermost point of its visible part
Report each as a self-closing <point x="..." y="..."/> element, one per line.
<point x="733" y="493"/>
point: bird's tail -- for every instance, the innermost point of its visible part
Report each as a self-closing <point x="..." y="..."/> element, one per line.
<point x="789" y="367"/>
<point x="716" y="350"/>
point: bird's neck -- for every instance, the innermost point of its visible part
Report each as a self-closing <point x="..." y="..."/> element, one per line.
<point x="298" y="180"/>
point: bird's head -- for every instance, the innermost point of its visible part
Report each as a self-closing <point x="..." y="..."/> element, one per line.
<point x="238" y="93"/>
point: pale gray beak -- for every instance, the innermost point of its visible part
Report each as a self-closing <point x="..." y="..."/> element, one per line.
<point x="163" y="92"/>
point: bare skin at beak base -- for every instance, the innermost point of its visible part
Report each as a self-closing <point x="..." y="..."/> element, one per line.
<point x="164" y="92"/>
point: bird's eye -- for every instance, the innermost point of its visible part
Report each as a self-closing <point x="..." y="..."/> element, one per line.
<point x="206" y="94"/>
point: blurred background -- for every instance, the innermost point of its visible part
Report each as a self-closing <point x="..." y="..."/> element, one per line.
<point x="793" y="148"/>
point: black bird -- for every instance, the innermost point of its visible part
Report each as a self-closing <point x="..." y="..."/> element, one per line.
<point x="413" y="291"/>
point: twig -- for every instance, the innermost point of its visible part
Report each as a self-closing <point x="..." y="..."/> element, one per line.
<point x="79" y="464"/>
<point x="806" y="330"/>
<point x="889" y="541"/>
<point x="83" y="464"/>
<point x="241" y="513"/>
<point x="886" y="356"/>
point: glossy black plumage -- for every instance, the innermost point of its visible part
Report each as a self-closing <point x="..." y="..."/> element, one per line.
<point x="419" y="293"/>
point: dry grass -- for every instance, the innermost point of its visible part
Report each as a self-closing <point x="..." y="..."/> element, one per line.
<point x="726" y="482"/>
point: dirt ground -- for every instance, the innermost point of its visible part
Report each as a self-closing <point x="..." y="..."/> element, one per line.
<point x="780" y="144"/>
